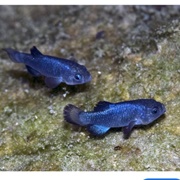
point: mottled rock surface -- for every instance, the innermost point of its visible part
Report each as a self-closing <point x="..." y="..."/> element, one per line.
<point x="132" y="52"/>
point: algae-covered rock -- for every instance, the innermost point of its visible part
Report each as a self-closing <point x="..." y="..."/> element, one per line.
<point x="132" y="52"/>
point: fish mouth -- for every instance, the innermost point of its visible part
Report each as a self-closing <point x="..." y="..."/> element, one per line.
<point x="163" y="108"/>
<point x="88" y="79"/>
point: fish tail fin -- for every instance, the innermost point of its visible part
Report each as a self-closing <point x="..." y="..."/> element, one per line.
<point x="71" y="114"/>
<point x="14" y="55"/>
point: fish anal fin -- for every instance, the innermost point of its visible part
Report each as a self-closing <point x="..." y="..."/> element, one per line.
<point x="52" y="82"/>
<point x="97" y="130"/>
<point x="102" y="105"/>
<point x="127" y="129"/>
<point x="32" y="71"/>
<point x="35" y="52"/>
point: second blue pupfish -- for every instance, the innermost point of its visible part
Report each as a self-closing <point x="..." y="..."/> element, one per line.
<point x="56" y="70"/>
<point x="108" y="115"/>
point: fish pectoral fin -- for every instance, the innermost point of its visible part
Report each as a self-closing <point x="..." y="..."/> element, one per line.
<point x="102" y="105"/>
<point x="32" y="71"/>
<point x="35" y="52"/>
<point x="52" y="82"/>
<point x="97" y="130"/>
<point x="127" y="129"/>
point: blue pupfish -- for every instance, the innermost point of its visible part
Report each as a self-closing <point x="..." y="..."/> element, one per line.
<point x="55" y="70"/>
<point x="108" y="115"/>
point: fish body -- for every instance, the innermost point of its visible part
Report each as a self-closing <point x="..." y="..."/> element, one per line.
<point x="108" y="115"/>
<point x="55" y="70"/>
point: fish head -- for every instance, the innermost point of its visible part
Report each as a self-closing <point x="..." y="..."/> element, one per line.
<point x="153" y="110"/>
<point x="78" y="74"/>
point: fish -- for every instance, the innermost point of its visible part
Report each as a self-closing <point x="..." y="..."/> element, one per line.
<point x="55" y="70"/>
<point x="107" y="115"/>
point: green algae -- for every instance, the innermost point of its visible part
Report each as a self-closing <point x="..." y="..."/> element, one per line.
<point x="34" y="135"/>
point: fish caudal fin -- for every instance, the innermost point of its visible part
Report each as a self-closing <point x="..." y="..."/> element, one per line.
<point x="71" y="114"/>
<point x="14" y="55"/>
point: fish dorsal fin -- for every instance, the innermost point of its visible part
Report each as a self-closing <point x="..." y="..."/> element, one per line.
<point x="35" y="52"/>
<point x="102" y="105"/>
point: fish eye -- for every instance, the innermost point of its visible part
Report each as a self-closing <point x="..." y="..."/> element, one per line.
<point x="154" y="110"/>
<point x="77" y="77"/>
